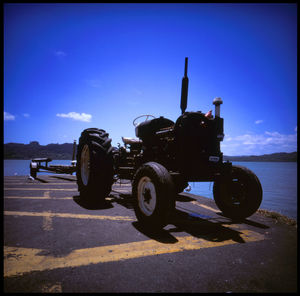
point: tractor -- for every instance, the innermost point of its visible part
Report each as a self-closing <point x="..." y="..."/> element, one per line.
<point x="162" y="159"/>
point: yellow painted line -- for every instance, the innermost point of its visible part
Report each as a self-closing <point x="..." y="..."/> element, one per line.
<point x="39" y="183"/>
<point x="62" y="189"/>
<point x="43" y="197"/>
<point x="67" y="215"/>
<point x="36" y="197"/>
<point x="62" y="183"/>
<point x="204" y="206"/>
<point x="52" y="288"/>
<point x="18" y="261"/>
<point x="47" y="222"/>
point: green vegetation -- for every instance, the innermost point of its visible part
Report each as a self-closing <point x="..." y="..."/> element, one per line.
<point x="274" y="157"/>
<point x="35" y="150"/>
<point x="278" y="217"/>
<point x="65" y="151"/>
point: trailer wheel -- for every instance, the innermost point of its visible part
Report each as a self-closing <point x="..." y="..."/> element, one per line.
<point x="94" y="168"/>
<point x="153" y="192"/>
<point x="33" y="170"/>
<point x="245" y="197"/>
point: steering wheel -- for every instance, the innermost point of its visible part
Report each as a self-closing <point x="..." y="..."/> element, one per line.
<point x="135" y="121"/>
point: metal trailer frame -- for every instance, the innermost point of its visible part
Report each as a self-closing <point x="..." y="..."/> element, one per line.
<point x="37" y="165"/>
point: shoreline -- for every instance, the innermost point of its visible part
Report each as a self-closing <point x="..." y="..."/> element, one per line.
<point x="278" y="217"/>
<point x="235" y="160"/>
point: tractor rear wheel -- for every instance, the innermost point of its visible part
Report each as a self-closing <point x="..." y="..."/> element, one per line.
<point x="241" y="197"/>
<point x="153" y="191"/>
<point x="94" y="169"/>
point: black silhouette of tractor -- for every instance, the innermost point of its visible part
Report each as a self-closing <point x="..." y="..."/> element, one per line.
<point x="160" y="162"/>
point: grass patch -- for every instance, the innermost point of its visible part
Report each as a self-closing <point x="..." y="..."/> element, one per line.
<point x="278" y="217"/>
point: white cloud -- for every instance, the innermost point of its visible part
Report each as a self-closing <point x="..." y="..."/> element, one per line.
<point x="8" y="116"/>
<point x="268" y="142"/>
<point x="76" y="116"/>
<point x="296" y="129"/>
<point x="60" y="53"/>
<point x="259" y="121"/>
<point x="26" y="115"/>
<point x="228" y="138"/>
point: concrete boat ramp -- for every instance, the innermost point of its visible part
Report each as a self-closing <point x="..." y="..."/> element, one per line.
<point x="55" y="242"/>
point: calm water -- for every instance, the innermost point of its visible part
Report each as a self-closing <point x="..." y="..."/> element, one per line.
<point x="279" y="183"/>
<point x="278" y="179"/>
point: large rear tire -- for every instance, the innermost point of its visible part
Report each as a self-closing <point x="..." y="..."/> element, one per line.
<point x="242" y="197"/>
<point x="94" y="169"/>
<point x="153" y="191"/>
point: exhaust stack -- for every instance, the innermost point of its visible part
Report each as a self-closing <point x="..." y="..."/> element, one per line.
<point x="217" y="102"/>
<point x="184" y="88"/>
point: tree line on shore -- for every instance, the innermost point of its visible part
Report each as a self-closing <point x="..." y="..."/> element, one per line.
<point x="65" y="151"/>
<point x="274" y="157"/>
<point x="35" y="150"/>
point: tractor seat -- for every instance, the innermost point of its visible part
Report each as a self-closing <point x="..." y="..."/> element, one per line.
<point x="131" y="141"/>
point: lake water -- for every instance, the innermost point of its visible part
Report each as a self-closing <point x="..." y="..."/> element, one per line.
<point x="278" y="180"/>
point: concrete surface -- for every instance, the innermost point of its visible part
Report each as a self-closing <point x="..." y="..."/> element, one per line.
<point x="53" y="242"/>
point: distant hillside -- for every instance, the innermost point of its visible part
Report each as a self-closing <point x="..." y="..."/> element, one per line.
<point x="274" y="157"/>
<point x="65" y="151"/>
<point x="35" y="150"/>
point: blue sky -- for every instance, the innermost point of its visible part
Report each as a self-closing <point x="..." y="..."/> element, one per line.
<point x="68" y="67"/>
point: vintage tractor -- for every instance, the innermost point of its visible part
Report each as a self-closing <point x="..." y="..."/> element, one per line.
<point x="160" y="162"/>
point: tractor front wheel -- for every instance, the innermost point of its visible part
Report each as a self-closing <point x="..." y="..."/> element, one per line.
<point x="239" y="197"/>
<point x="153" y="191"/>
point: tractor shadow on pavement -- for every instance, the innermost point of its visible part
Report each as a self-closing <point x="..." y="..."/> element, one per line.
<point x="205" y="228"/>
<point x="160" y="235"/>
<point x="182" y="222"/>
<point x="210" y="228"/>
<point x="93" y="204"/>
<point x="124" y="199"/>
<point x="41" y="180"/>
